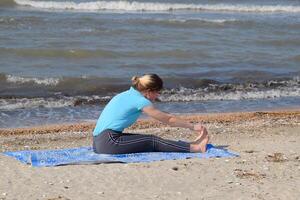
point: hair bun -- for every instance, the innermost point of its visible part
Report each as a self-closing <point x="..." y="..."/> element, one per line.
<point x="150" y="82"/>
<point x="135" y="80"/>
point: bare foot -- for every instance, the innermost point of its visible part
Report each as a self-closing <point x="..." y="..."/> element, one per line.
<point x="201" y="134"/>
<point x="203" y="144"/>
<point x="200" y="144"/>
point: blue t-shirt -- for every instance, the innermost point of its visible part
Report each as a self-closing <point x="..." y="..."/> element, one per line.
<point x="122" y="111"/>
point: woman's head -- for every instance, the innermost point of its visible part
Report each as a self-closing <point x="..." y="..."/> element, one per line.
<point x="148" y="84"/>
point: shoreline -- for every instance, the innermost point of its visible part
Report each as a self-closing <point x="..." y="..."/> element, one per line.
<point x="30" y="118"/>
<point x="229" y="117"/>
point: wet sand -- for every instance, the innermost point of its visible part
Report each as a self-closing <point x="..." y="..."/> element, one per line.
<point x="268" y="166"/>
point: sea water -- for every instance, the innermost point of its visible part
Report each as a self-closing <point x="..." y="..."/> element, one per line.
<point x="62" y="61"/>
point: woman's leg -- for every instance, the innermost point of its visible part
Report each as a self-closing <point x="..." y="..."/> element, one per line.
<point x="111" y="142"/>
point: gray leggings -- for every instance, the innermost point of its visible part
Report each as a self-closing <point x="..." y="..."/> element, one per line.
<point x="111" y="142"/>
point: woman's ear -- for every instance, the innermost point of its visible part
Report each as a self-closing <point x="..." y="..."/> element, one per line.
<point x="148" y="92"/>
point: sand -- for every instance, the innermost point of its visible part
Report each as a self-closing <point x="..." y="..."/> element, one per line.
<point x="268" y="166"/>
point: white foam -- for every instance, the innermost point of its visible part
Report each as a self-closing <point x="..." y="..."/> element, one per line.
<point x="215" y="21"/>
<point x="183" y="95"/>
<point x="186" y="95"/>
<point x="40" y="81"/>
<point x="154" y="6"/>
<point x="25" y="103"/>
<point x="220" y="21"/>
<point x="13" y="104"/>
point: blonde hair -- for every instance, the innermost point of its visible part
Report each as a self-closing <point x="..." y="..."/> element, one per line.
<point x="150" y="82"/>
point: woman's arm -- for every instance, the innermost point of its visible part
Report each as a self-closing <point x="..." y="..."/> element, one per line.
<point x="171" y="119"/>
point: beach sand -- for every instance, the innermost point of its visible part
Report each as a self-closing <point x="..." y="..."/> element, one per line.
<point x="268" y="166"/>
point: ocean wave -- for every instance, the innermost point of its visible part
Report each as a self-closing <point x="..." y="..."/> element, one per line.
<point x="186" y="23"/>
<point x="22" y="86"/>
<point x="7" y="20"/>
<point x="61" y="83"/>
<point x="21" y="22"/>
<point x="92" y="85"/>
<point x="186" y="95"/>
<point x="263" y="90"/>
<point x="25" y="103"/>
<point x="9" y="104"/>
<point x="211" y="92"/>
<point x="178" y="95"/>
<point x="39" y="81"/>
<point x="201" y="20"/>
<point x="154" y="6"/>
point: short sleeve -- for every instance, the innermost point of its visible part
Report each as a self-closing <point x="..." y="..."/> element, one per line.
<point x="143" y="102"/>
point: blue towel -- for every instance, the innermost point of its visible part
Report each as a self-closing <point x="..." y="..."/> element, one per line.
<point x="85" y="155"/>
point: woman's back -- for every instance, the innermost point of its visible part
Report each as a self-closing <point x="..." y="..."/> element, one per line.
<point x="122" y="111"/>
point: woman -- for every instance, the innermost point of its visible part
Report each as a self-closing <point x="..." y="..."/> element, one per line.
<point x="124" y="109"/>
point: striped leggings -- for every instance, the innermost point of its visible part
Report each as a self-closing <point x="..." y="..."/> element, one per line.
<point x="111" y="142"/>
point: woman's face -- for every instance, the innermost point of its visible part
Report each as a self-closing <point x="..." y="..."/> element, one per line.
<point x="152" y="95"/>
